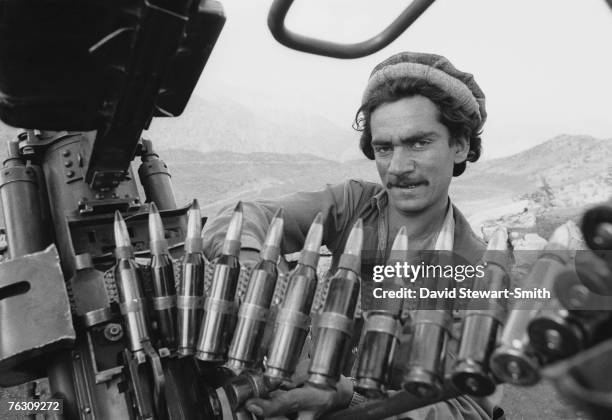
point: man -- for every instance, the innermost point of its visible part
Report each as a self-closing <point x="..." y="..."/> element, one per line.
<point x="420" y="120"/>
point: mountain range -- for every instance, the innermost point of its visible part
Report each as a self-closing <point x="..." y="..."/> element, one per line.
<point x="219" y="123"/>
<point x="221" y="178"/>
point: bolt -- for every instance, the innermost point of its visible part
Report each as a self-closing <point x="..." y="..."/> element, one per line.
<point x="69" y="174"/>
<point x="65" y="152"/>
<point x="113" y="332"/>
<point x="68" y="163"/>
<point x="87" y="410"/>
<point x="77" y="356"/>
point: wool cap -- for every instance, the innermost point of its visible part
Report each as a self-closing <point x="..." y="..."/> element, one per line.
<point x="435" y="70"/>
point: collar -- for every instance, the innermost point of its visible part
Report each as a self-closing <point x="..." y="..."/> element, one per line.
<point x="380" y="199"/>
<point x="445" y="239"/>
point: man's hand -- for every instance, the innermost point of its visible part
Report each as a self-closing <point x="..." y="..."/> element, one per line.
<point x="309" y="402"/>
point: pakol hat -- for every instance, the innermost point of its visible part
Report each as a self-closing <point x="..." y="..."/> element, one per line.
<point x="435" y="70"/>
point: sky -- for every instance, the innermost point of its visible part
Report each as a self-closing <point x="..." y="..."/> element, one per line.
<point x="545" y="65"/>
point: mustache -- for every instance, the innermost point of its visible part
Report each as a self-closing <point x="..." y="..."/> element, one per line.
<point x="402" y="182"/>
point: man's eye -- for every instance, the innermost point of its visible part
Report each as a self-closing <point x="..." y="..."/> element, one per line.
<point x="382" y="149"/>
<point x="420" y="144"/>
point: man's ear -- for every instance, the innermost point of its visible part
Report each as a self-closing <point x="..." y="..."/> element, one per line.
<point x="462" y="148"/>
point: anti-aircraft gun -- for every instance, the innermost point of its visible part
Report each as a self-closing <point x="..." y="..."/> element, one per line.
<point x="83" y="79"/>
<point x="86" y="295"/>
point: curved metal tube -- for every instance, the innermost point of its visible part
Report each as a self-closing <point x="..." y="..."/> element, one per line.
<point x="276" y="23"/>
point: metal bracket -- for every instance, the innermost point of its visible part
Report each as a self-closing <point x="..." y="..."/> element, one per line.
<point x="36" y="317"/>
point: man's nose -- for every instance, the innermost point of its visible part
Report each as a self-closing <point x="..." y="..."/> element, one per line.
<point x="402" y="162"/>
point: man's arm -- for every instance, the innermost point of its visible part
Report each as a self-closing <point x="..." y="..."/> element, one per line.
<point x="337" y="204"/>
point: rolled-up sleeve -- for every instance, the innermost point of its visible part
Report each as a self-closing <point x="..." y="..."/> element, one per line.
<point x="335" y="202"/>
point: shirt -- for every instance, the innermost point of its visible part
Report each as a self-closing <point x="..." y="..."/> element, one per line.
<point x="341" y="205"/>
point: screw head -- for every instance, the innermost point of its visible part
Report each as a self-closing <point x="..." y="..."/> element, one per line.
<point x="113" y="332"/>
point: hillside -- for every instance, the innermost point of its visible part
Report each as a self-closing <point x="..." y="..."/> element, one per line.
<point x="561" y="159"/>
<point x="219" y="123"/>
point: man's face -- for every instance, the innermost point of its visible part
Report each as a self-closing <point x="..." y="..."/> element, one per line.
<point x="413" y="154"/>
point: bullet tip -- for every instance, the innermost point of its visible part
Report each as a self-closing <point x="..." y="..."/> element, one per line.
<point x="400" y="243"/>
<point x="195" y="205"/>
<point x="238" y="206"/>
<point x="122" y="237"/>
<point x="354" y="243"/>
<point x="562" y="236"/>
<point x="314" y="235"/>
<point x="499" y="239"/>
<point x="153" y="208"/>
